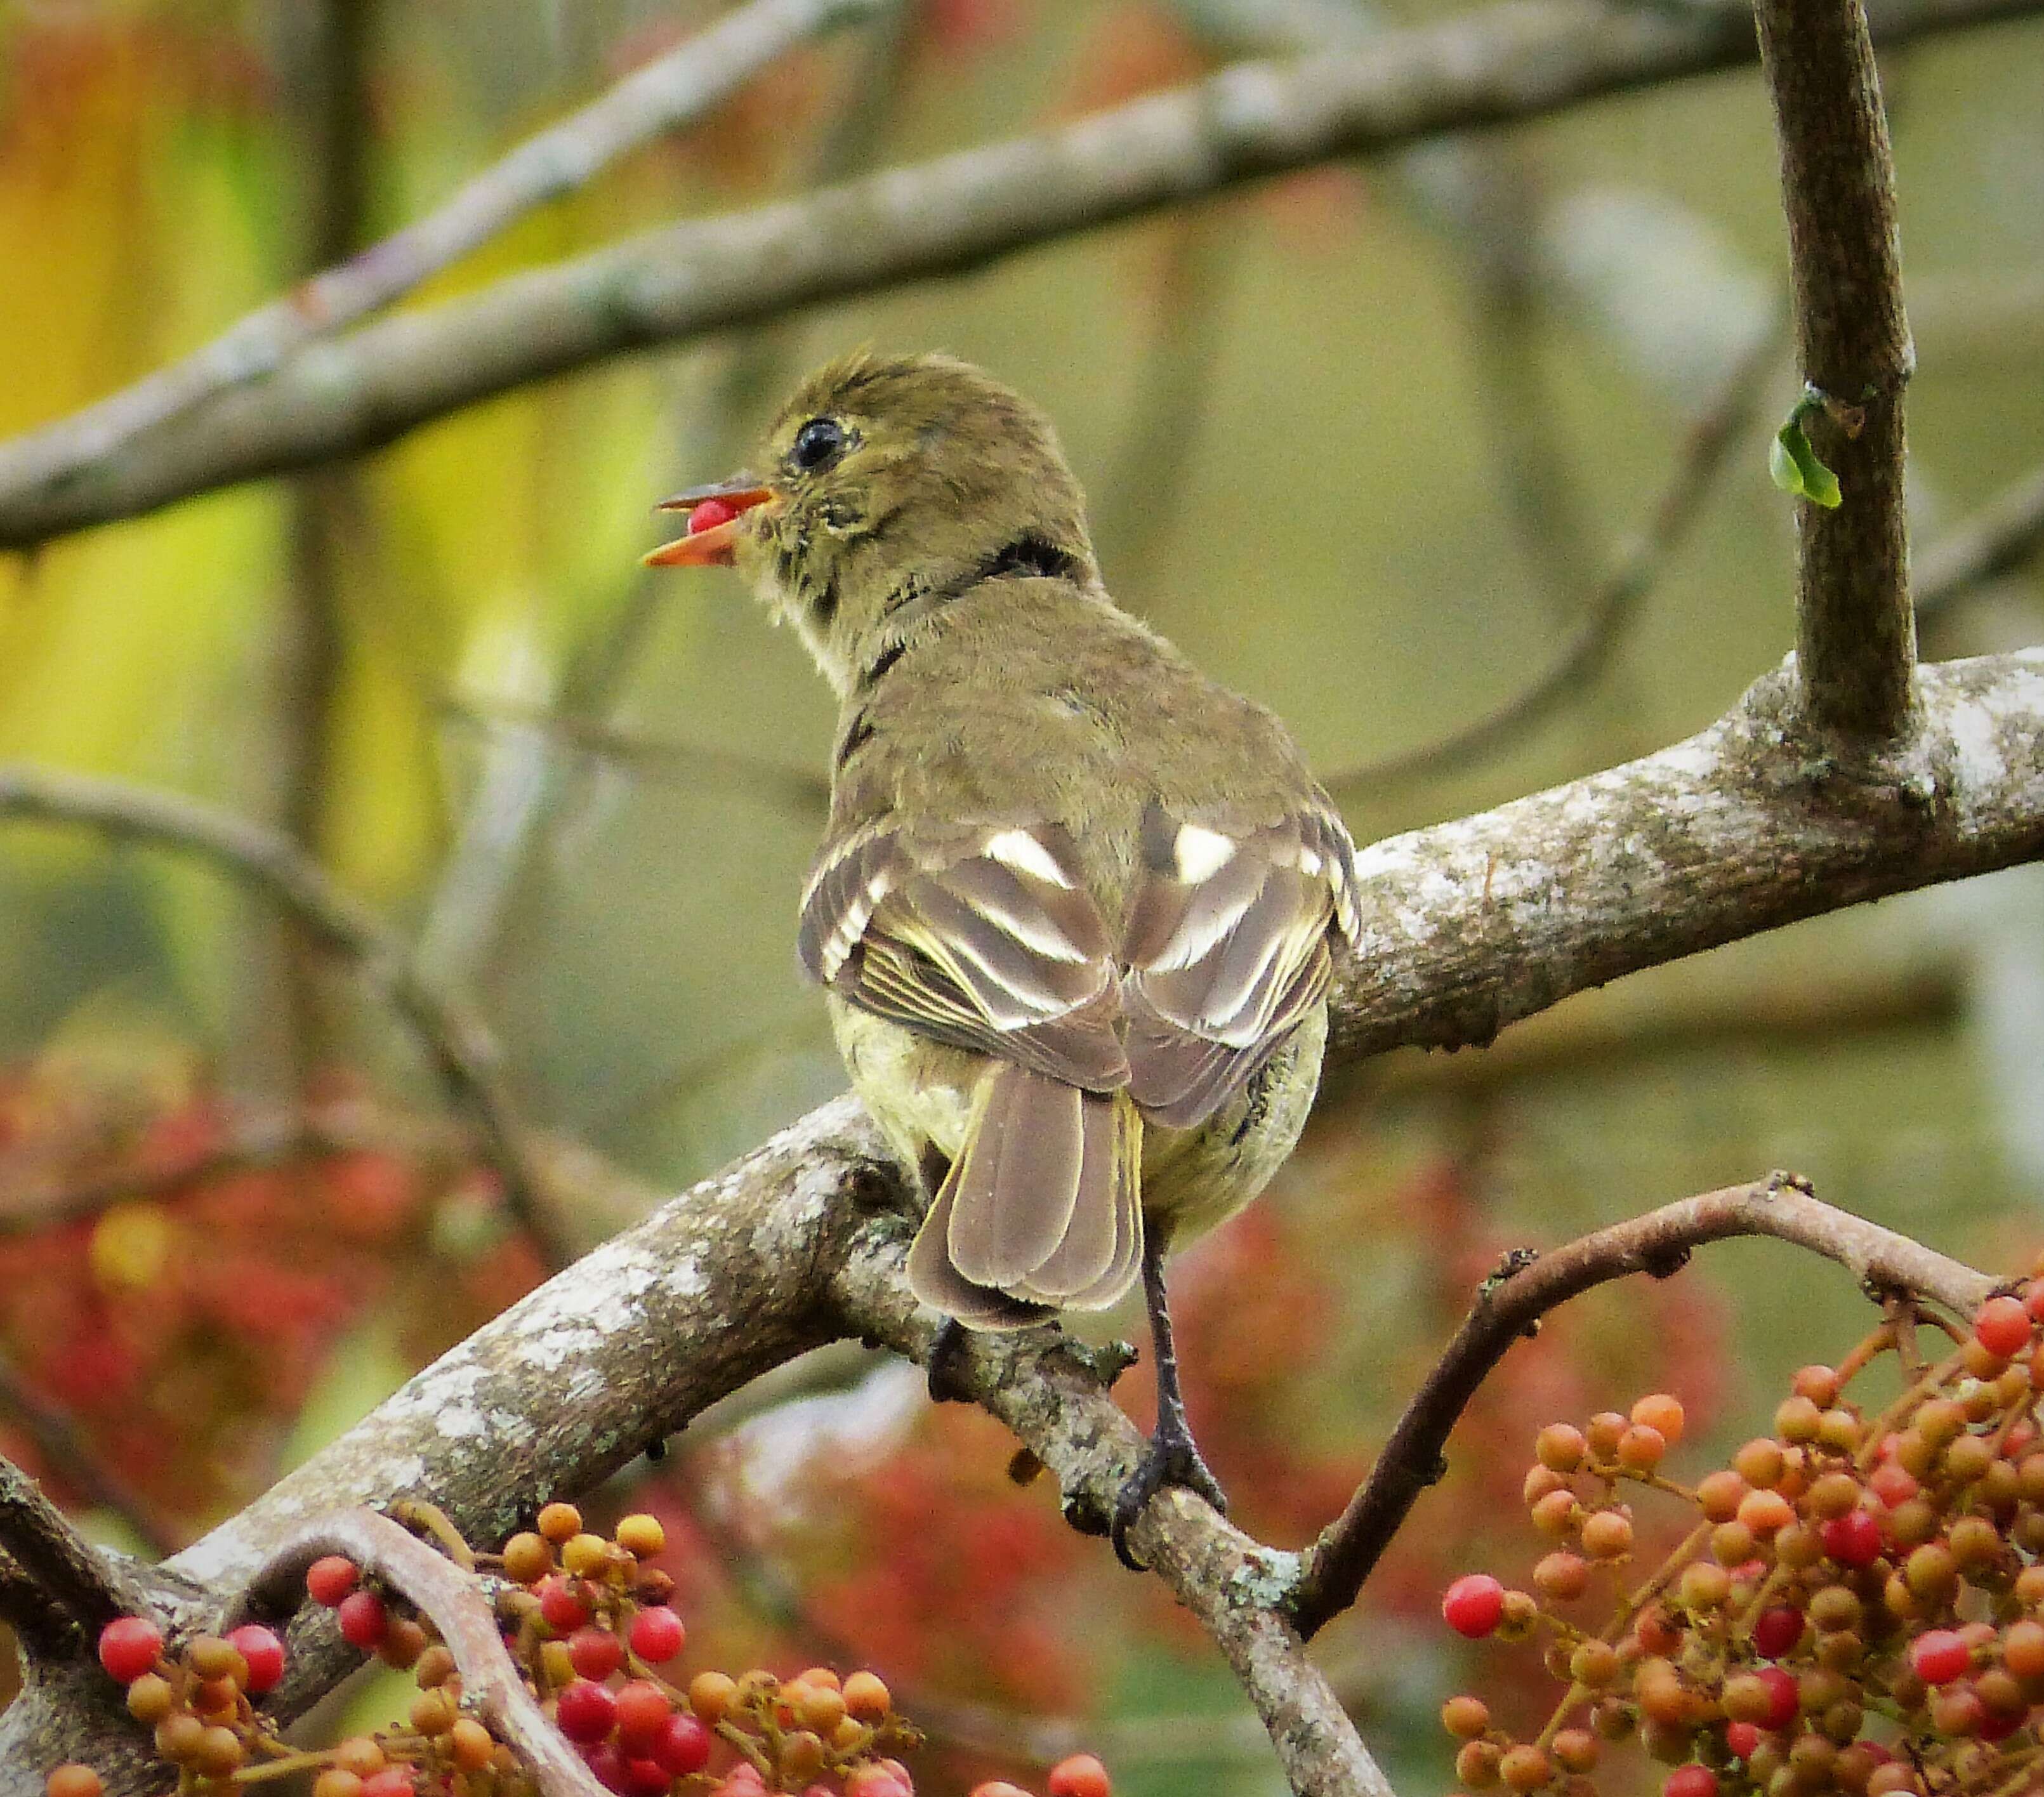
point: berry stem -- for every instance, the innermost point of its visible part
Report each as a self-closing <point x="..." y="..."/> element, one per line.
<point x="293" y="1762"/>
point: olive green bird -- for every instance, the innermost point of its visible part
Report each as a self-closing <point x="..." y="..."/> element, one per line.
<point x="1074" y="904"/>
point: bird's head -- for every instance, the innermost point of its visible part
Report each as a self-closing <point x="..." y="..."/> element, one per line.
<point x="883" y="479"/>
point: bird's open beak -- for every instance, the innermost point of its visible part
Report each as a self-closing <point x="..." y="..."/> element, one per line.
<point x="710" y="546"/>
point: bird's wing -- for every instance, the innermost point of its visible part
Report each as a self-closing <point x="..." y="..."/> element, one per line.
<point x="987" y="940"/>
<point x="1226" y="950"/>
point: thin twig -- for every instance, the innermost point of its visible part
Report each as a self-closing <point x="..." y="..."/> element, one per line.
<point x="1999" y="538"/>
<point x="55" y="1435"/>
<point x="670" y="91"/>
<point x="456" y="1040"/>
<point x="1855" y="634"/>
<point x="1511" y="1304"/>
<point x="687" y="764"/>
<point x="1517" y="60"/>
<point x="491" y="1684"/>
<point x="1722" y="421"/>
<point x="88" y="1585"/>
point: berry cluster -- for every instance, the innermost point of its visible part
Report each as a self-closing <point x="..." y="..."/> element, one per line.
<point x="589" y="1625"/>
<point x="1858" y="1608"/>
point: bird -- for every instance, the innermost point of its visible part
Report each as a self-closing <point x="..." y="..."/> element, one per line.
<point x="1077" y="905"/>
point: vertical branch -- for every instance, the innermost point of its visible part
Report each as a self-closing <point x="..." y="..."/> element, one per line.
<point x="334" y="132"/>
<point x="1855" y="639"/>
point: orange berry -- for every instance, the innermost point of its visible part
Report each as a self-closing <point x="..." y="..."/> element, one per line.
<point x="584" y="1556"/>
<point x="528" y="1557"/>
<point x="1577" y="1749"/>
<point x="1765" y="1512"/>
<point x="1759" y="1463"/>
<point x="1080" y="1775"/>
<point x="642" y="1535"/>
<point x="1561" y="1447"/>
<point x="1562" y="1576"/>
<point x="73" y="1779"/>
<point x="1607" y="1534"/>
<point x="560" y="1522"/>
<point x="1663" y="1413"/>
<point x="1525" y="1768"/>
<point x="1467" y="1718"/>
<point x="471" y="1745"/>
<point x="1718" y="1493"/>
<point x="866" y="1697"/>
<point x="1476" y="1763"/>
<point x="711" y="1696"/>
<point x="337" y="1781"/>
<point x="1641" y="1448"/>
<point x="360" y="1754"/>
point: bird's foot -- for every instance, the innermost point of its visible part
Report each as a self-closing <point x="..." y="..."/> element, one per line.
<point x="1171" y="1459"/>
<point x="946" y="1368"/>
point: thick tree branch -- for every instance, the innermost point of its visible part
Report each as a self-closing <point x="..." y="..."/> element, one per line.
<point x="457" y="1041"/>
<point x="1471" y="925"/>
<point x="1855" y="635"/>
<point x="1515" y="61"/>
<point x="667" y="92"/>
<point x="89" y="1587"/>
<point x="1511" y="1303"/>
<point x="1468" y="926"/>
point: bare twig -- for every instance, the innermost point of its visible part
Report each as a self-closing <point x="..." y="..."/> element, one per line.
<point x="1855" y="635"/>
<point x="1517" y="60"/>
<point x="519" y="791"/>
<point x="56" y="1438"/>
<point x="457" y="1041"/>
<point x="2000" y="537"/>
<point x="797" y="790"/>
<point x="90" y="1586"/>
<point x="491" y="1684"/>
<point x="671" y="90"/>
<point x="1722" y="422"/>
<point x="1512" y="1302"/>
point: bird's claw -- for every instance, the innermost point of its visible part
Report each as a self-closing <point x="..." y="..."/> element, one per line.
<point x="946" y="1368"/>
<point x="1170" y="1459"/>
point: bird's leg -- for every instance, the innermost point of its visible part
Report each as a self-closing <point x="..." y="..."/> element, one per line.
<point x="1172" y="1457"/>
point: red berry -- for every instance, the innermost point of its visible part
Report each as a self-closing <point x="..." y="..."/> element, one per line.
<point x="1999" y="1725"/>
<point x="1939" y="1656"/>
<point x="646" y="1778"/>
<point x="604" y="1760"/>
<point x="129" y="1647"/>
<point x="264" y="1651"/>
<point x="1691" y="1781"/>
<point x="392" y="1781"/>
<point x="1472" y="1605"/>
<point x="595" y="1654"/>
<point x="364" y="1622"/>
<point x="1891" y="1484"/>
<point x="1741" y="1738"/>
<point x="709" y="515"/>
<point x="1081" y="1776"/>
<point x="867" y="1781"/>
<point x="1854" y="1539"/>
<point x="657" y="1633"/>
<point x="328" y="1580"/>
<point x="1775" y="1631"/>
<point x="643" y="1710"/>
<point x="1782" y="1697"/>
<point x="683" y="1744"/>
<point x="561" y="1606"/>
<point x="585" y="1711"/>
<point x="2002" y="1326"/>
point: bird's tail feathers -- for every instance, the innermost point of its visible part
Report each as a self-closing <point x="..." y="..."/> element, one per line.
<point x="1042" y="1209"/>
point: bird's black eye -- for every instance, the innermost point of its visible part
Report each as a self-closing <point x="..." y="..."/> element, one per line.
<point x="819" y="441"/>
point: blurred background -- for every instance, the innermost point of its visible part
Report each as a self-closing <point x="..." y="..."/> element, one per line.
<point x="1373" y="444"/>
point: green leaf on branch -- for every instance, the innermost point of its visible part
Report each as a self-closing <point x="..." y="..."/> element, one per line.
<point x="1795" y="465"/>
